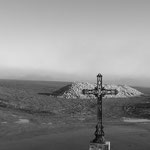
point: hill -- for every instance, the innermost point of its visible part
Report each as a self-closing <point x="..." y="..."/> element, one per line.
<point x="74" y="91"/>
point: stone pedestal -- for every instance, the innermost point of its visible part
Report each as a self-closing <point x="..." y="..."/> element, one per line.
<point x="98" y="146"/>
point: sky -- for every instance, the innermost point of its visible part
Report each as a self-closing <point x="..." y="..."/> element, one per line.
<point x="74" y="40"/>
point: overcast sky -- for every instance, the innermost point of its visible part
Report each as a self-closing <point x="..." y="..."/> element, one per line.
<point x="75" y="40"/>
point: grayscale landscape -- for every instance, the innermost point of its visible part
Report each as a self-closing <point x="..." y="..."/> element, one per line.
<point x="31" y="117"/>
<point x="70" y="67"/>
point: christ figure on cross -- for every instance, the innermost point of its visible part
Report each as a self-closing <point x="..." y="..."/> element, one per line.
<point x="99" y="92"/>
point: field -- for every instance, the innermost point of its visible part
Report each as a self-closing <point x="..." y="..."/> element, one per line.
<point x="30" y="118"/>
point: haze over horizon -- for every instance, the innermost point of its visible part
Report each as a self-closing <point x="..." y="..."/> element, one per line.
<point x="71" y="40"/>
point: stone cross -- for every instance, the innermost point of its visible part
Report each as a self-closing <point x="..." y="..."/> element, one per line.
<point x="99" y="92"/>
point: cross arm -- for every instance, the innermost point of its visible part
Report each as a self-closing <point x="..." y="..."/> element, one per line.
<point x="89" y="91"/>
<point x="103" y="91"/>
<point x="109" y="92"/>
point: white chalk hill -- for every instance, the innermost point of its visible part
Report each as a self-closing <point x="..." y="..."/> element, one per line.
<point x="74" y="91"/>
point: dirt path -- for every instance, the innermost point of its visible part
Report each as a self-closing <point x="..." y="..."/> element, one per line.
<point x="122" y="137"/>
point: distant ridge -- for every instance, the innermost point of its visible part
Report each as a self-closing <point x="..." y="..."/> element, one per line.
<point x="74" y="91"/>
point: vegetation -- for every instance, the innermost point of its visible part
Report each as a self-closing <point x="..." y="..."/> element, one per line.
<point x="33" y="101"/>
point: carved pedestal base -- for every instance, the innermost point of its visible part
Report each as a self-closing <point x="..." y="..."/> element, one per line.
<point x="98" y="146"/>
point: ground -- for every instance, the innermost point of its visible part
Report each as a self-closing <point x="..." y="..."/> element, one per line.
<point x="32" y="119"/>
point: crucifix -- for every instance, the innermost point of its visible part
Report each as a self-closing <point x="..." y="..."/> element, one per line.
<point x="99" y="91"/>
